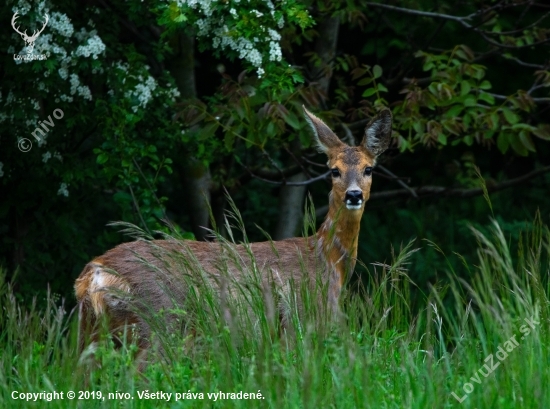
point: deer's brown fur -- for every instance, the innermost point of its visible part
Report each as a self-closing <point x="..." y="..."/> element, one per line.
<point x="134" y="277"/>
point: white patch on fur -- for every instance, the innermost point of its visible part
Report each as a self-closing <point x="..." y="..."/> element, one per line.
<point x="354" y="207"/>
<point x="98" y="280"/>
<point x="99" y="290"/>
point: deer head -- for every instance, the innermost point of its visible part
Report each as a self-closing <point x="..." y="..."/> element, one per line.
<point x="351" y="166"/>
<point x="29" y="40"/>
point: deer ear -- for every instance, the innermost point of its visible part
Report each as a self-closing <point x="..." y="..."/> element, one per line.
<point x="378" y="133"/>
<point x="324" y="137"/>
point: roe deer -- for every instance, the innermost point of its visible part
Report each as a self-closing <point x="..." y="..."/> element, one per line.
<point x="328" y="256"/>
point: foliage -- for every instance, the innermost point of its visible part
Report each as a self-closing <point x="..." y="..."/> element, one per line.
<point x="247" y="31"/>
<point x="119" y="149"/>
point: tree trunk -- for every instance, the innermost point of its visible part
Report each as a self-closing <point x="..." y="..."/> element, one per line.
<point x="325" y="47"/>
<point x="197" y="184"/>
<point x="291" y="198"/>
<point x="196" y="180"/>
<point x="291" y="203"/>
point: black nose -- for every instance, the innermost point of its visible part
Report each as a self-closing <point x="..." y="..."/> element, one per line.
<point x="354" y="196"/>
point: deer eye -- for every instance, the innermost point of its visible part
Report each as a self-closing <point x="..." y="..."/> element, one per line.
<point x="368" y="171"/>
<point x="335" y="172"/>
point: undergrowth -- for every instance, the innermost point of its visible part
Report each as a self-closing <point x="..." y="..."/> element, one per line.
<point x="481" y="343"/>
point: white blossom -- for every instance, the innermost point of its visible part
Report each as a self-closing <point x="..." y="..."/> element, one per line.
<point x="143" y="91"/>
<point x="23" y="7"/>
<point x="63" y="191"/>
<point x="78" y="89"/>
<point x="63" y="72"/>
<point x="210" y="23"/>
<point x="273" y="34"/>
<point x="93" y="47"/>
<point x="61" y="23"/>
<point x="275" y="53"/>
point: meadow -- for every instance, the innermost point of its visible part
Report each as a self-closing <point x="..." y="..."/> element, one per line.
<point x="480" y="342"/>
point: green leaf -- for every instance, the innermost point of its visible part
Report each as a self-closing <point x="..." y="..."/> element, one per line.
<point x="122" y="197"/>
<point x="523" y="127"/>
<point x="526" y="140"/>
<point x="485" y="85"/>
<point x="207" y="131"/>
<point x="365" y="81"/>
<point x="479" y="71"/>
<point x="487" y="98"/>
<point x="510" y="116"/>
<point x="418" y="127"/>
<point x="442" y="138"/>
<point x="292" y="120"/>
<point x="461" y="54"/>
<point x="369" y="91"/>
<point x="102" y="158"/>
<point x="470" y="101"/>
<point x="465" y="87"/>
<point x="543" y="132"/>
<point x="454" y="111"/>
<point x="428" y="66"/>
<point x="297" y="77"/>
<point x="518" y="146"/>
<point x="382" y="88"/>
<point x="377" y="71"/>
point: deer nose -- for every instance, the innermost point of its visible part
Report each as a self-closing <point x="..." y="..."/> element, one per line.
<point x="354" y="197"/>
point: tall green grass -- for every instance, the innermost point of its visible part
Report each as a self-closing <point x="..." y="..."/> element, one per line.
<point x="387" y="353"/>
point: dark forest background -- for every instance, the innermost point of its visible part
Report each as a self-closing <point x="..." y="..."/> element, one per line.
<point x="173" y="122"/>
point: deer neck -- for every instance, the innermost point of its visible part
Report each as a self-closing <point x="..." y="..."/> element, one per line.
<point x="338" y="237"/>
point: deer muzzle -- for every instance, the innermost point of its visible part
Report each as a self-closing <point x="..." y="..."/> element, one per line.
<point x="353" y="199"/>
